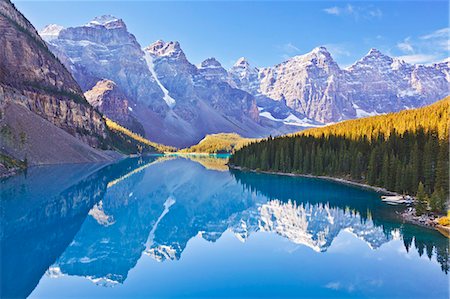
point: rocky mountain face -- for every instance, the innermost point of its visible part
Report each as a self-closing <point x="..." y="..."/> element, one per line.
<point x="44" y="117"/>
<point x="104" y="49"/>
<point x="314" y="85"/>
<point x="177" y="102"/>
<point x="113" y="103"/>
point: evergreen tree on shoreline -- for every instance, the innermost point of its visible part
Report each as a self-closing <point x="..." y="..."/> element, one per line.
<point x="400" y="152"/>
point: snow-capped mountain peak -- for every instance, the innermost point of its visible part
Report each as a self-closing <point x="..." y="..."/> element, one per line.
<point x="318" y="56"/>
<point x="398" y="63"/>
<point x="242" y="62"/>
<point x="51" y="31"/>
<point x="210" y="63"/>
<point x="161" y="48"/>
<point x="376" y="55"/>
<point x="321" y="50"/>
<point x="374" y="52"/>
<point x="107" y="21"/>
<point x="211" y="69"/>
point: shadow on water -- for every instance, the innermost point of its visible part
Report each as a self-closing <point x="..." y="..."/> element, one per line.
<point x="41" y="211"/>
<point x="96" y="221"/>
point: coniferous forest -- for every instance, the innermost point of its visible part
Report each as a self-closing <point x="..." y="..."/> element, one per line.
<point x="405" y="152"/>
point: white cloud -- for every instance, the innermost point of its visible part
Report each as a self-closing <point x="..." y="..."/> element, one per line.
<point x="406" y="45"/>
<point x="426" y="49"/>
<point x="376" y="13"/>
<point x="420" y="58"/>
<point x="333" y="285"/>
<point x="357" y="12"/>
<point x="333" y="10"/>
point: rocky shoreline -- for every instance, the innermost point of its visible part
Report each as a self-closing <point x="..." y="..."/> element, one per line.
<point x="328" y="178"/>
<point x="5" y="172"/>
<point x="427" y="221"/>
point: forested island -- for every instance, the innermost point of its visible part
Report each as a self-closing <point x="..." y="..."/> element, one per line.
<point x="404" y="152"/>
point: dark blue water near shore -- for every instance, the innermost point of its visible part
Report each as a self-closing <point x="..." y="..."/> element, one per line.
<point x="172" y="227"/>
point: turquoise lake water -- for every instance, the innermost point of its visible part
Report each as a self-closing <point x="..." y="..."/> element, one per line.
<point x="174" y="227"/>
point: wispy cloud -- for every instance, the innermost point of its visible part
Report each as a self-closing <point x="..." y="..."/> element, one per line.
<point x="289" y="48"/>
<point x="406" y="45"/>
<point x="338" y="50"/>
<point x="333" y="285"/>
<point x="333" y="10"/>
<point x="438" y="34"/>
<point x="425" y="49"/>
<point x="357" y="12"/>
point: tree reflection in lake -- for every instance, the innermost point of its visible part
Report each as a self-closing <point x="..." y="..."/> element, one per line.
<point x="96" y="221"/>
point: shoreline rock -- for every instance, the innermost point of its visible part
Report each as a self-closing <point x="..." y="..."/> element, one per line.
<point x="328" y="178"/>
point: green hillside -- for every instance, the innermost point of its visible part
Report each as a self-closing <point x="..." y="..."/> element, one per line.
<point x="129" y="142"/>
<point x="219" y="144"/>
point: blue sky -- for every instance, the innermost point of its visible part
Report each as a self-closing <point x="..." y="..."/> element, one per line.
<point x="268" y="32"/>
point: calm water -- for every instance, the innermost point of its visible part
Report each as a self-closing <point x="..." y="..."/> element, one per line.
<point x="165" y="227"/>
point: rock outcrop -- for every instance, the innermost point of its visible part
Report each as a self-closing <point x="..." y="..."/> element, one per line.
<point x="40" y="103"/>
<point x="113" y="103"/>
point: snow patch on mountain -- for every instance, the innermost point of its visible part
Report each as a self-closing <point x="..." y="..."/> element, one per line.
<point x="107" y="21"/>
<point x="97" y="212"/>
<point x="291" y="119"/>
<point x="167" y="98"/>
<point x="50" y="32"/>
<point x="362" y="113"/>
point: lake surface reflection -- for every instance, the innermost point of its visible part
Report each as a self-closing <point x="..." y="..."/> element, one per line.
<point x="174" y="227"/>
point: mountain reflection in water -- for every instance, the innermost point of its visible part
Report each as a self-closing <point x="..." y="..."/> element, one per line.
<point x="97" y="221"/>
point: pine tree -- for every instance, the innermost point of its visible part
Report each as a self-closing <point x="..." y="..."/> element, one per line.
<point x="415" y="165"/>
<point x="385" y="170"/>
<point x="442" y="168"/>
<point x="372" y="169"/>
<point x="438" y="201"/>
<point x="421" y="200"/>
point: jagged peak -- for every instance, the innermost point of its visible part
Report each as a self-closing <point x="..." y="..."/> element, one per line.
<point x="373" y="51"/>
<point x="50" y="31"/>
<point x="105" y="83"/>
<point x="398" y="63"/>
<point x="210" y="63"/>
<point x="162" y="48"/>
<point x="445" y="61"/>
<point x="314" y="53"/>
<point x="107" y="21"/>
<point x="319" y="54"/>
<point x="242" y="62"/>
<point x="320" y="50"/>
<point x="377" y="54"/>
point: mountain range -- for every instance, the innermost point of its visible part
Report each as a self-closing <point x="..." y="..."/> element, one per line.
<point x="178" y="103"/>
<point x="58" y="85"/>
